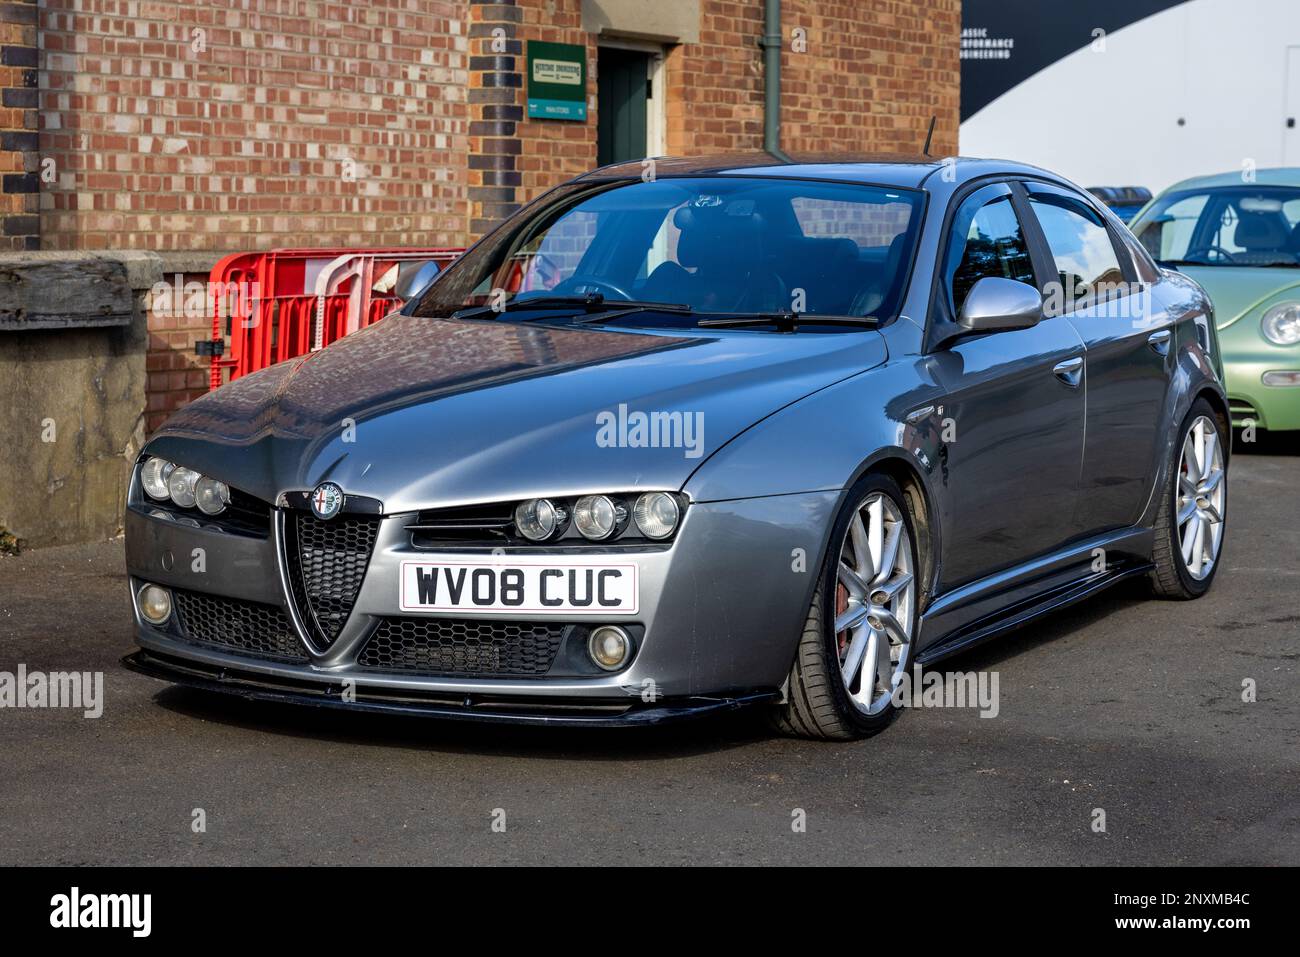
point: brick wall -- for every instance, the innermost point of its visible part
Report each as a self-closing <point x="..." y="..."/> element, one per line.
<point x="495" y="76"/>
<point x="196" y="126"/>
<point x="175" y="375"/>
<point x="208" y="125"/>
<point x="874" y="73"/>
<point x="863" y="76"/>
<point x="19" y="158"/>
<point x="557" y="150"/>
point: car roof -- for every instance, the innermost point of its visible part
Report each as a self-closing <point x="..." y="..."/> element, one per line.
<point x="1274" y="176"/>
<point x="885" y="169"/>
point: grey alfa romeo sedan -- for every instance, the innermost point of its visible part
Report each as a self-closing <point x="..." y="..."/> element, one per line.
<point x="683" y="436"/>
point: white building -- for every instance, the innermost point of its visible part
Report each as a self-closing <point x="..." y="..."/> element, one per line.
<point x="1132" y="92"/>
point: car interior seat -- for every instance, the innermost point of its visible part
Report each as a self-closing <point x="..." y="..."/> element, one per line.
<point x="720" y="264"/>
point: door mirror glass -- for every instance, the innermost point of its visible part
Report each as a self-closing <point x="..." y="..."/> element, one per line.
<point x="995" y="304"/>
<point x="415" y="278"/>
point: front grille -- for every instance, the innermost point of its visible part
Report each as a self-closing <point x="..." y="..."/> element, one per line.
<point x="244" y="626"/>
<point x="463" y="647"/>
<point x="327" y="563"/>
<point x="246" y="511"/>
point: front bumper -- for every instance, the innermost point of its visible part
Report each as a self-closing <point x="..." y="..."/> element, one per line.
<point x="1246" y="358"/>
<point x="719" y="615"/>
<point x="490" y="709"/>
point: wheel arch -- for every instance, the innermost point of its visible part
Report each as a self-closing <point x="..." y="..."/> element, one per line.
<point x="898" y="465"/>
<point x="1220" y="405"/>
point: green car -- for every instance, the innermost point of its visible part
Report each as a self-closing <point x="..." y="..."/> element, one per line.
<point x="1238" y="235"/>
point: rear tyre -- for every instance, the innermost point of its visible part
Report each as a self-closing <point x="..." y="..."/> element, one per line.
<point x="1192" y="519"/>
<point x="858" y="634"/>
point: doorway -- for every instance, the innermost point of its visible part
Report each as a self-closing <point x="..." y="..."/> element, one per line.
<point x="629" y="121"/>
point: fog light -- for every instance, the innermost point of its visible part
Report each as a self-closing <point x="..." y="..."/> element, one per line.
<point x="1281" y="378"/>
<point x="609" y="647"/>
<point x="180" y="486"/>
<point x="153" y="476"/>
<point x="597" y="516"/>
<point x="155" y="604"/>
<point x="537" y="519"/>
<point x="211" y="496"/>
<point x="656" y="514"/>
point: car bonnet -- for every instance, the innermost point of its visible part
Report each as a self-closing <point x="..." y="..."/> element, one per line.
<point x="418" y="412"/>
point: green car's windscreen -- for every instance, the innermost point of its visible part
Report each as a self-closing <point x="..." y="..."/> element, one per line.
<point x="1226" y="226"/>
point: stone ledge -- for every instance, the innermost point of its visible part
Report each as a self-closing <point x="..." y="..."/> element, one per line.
<point x="73" y="290"/>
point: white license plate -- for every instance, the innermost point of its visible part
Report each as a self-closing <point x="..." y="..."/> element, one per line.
<point x="506" y="584"/>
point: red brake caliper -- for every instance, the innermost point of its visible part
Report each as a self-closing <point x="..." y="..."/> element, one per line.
<point x="841" y="606"/>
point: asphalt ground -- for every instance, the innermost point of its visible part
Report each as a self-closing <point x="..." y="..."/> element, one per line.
<point x="1126" y="705"/>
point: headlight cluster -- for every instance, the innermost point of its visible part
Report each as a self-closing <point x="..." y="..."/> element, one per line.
<point x="1281" y="324"/>
<point x="598" y="518"/>
<point x="185" y="487"/>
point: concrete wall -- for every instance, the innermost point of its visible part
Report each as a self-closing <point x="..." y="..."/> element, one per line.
<point x="73" y="337"/>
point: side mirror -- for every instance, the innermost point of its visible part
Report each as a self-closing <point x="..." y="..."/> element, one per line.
<point x="415" y="279"/>
<point x="996" y="305"/>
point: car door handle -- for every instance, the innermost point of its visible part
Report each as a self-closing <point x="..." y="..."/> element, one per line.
<point x="1159" y="342"/>
<point x="1070" y="371"/>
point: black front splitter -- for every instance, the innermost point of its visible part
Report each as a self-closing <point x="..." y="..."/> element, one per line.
<point x="482" y="708"/>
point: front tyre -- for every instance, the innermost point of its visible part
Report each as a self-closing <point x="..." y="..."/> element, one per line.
<point x="1193" y="515"/>
<point x="859" y="632"/>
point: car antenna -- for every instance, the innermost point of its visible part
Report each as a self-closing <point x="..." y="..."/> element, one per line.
<point x="929" y="133"/>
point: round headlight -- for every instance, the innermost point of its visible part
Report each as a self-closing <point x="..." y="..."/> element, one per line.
<point x="597" y="516"/>
<point x="656" y="514"/>
<point x="155" y="604"/>
<point x="153" y="476"/>
<point x="608" y="646"/>
<point x="180" y="486"/>
<point x="537" y="519"/>
<point x="211" y="496"/>
<point x="1281" y="324"/>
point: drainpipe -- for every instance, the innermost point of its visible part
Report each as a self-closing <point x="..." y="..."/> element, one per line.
<point x="771" y="44"/>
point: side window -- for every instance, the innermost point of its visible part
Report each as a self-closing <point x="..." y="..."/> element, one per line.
<point x="986" y="240"/>
<point x="1086" y="263"/>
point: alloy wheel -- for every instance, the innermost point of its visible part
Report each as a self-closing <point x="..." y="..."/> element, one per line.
<point x="875" y="601"/>
<point x="1200" y="498"/>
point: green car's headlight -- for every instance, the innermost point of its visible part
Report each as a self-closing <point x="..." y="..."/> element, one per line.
<point x="1281" y="324"/>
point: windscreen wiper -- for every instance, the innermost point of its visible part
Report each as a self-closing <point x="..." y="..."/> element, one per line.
<point x="617" y="308"/>
<point x="592" y="300"/>
<point x="787" y="321"/>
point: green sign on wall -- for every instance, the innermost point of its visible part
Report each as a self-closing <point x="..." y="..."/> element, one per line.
<point x="557" y="81"/>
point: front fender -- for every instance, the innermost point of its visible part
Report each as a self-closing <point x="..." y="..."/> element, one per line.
<point x="826" y="440"/>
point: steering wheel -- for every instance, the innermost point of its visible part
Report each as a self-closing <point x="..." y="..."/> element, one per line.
<point x="577" y="285"/>
<point x="1211" y="248"/>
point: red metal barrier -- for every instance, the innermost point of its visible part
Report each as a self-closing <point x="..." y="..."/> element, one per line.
<point x="276" y="305"/>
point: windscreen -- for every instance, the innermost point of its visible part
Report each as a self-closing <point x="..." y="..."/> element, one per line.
<point x="716" y="244"/>
<point x="1230" y="226"/>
